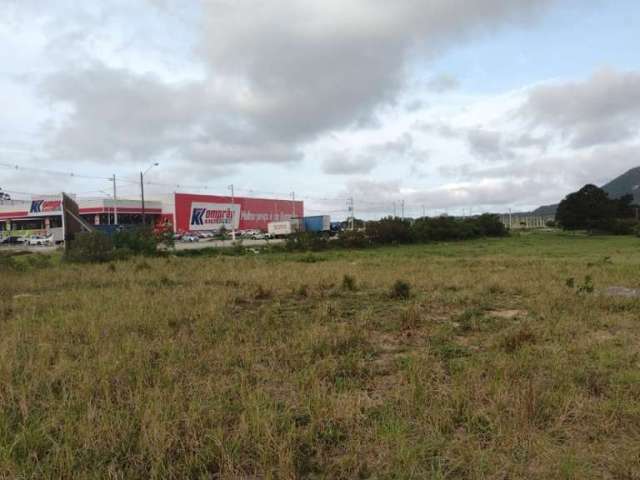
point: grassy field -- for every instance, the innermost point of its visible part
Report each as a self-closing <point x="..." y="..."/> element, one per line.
<point x="505" y="361"/>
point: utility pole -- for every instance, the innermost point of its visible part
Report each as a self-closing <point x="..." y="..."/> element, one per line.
<point x="424" y="212"/>
<point x="351" y="213"/>
<point x="394" y="209"/>
<point x="144" y="216"/>
<point x="233" y="220"/>
<point x="115" y="202"/>
<point x="402" y="209"/>
<point x="293" y="204"/>
<point x="510" y="224"/>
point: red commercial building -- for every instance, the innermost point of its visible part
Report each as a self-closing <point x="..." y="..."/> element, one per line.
<point x="195" y="213"/>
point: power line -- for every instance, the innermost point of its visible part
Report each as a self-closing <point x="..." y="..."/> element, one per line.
<point x="52" y="172"/>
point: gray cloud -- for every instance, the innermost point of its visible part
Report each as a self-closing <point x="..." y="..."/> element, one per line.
<point x="330" y="63"/>
<point x="488" y="144"/>
<point x="560" y="173"/>
<point x="268" y="82"/>
<point x="345" y="165"/>
<point x="117" y="114"/>
<point x="603" y="109"/>
<point x="442" y="83"/>
<point x="482" y="195"/>
<point x="365" y="160"/>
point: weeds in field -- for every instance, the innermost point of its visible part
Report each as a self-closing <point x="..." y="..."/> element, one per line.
<point x="349" y="283"/>
<point x="586" y="287"/>
<point x="264" y="367"/>
<point x="400" y="290"/>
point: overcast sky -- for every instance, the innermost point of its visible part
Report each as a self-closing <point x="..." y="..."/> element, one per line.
<point x="446" y="105"/>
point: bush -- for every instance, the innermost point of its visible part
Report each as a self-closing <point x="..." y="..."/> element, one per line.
<point x="90" y="247"/>
<point x="349" y="283"/>
<point x="352" y="239"/>
<point x="490" y="225"/>
<point x="442" y="229"/>
<point x="400" y="290"/>
<point x="139" y="241"/>
<point x="306" y="241"/>
<point x="389" y="230"/>
<point x="626" y="226"/>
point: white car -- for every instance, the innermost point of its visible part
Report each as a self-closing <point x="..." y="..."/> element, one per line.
<point x="190" y="238"/>
<point x="259" y="236"/>
<point x="39" y="241"/>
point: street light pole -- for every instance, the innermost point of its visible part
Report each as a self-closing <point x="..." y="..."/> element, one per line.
<point x="115" y="202"/>
<point x="144" y="213"/>
<point x="144" y="216"/>
<point x="233" y="219"/>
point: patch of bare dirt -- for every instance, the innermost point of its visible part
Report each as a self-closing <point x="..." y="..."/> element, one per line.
<point x="508" y="314"/>
<point x="622" y="292"/>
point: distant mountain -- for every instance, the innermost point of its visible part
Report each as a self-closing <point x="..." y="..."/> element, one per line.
<point x="624" y="184"/>
<point x="627" y="183"/>
<point x="545" y="210"/>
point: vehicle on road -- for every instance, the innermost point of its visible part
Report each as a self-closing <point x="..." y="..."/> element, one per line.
<point x="39" y="241"/>
<point x="317" y="224"/>
<point x="190" y="238"/>
<point x="11" y="240"/>
<point x="282" y="229"/>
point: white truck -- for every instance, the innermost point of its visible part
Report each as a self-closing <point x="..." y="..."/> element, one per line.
<point x="281" y="229"/>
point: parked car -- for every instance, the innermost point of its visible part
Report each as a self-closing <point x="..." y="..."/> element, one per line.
<point x="258" y="236"/>
<point x="39" y="241"/>
<point x="190" y="238"/>
<point x="11" y="240"/>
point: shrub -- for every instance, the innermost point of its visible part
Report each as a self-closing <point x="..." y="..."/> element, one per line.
<point x="626" y="226"/>
<point x="353" y="239"/>
<point x="442" y="229"/>
<point x="7" y="263"/>
<point x="400" y="290"/>
<point x="349" y="283"/>
<point x="311" y="258"/>
<point x="140" y="241"/>
<point x="90" y="247"/>
<point x="306" y="241"/>
<point x="515" y="340"/>
<point x="490" y="225"/>
<point x="389" y="230"/>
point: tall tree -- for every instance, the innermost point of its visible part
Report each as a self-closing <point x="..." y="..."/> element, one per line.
<point x="590" y="208"/>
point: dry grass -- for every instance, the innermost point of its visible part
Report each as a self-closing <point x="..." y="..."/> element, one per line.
<point x="275" y="367"/>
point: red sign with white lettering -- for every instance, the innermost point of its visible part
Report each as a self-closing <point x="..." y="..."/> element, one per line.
<point x="255" y="213"/>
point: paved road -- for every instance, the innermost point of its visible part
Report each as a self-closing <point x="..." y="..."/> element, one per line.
<point x="179" y="245"/>
<point x="223" y="244"/>
<point x="25" y="248"/>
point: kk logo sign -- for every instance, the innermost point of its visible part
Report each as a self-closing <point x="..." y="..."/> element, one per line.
<point x="197" y="216"/>
<point x="39" y="207"/>
<point x="214" y="216"/>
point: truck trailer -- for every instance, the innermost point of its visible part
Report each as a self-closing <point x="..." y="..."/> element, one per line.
<point x="282" y="229"/>
<point x="317" y="223"/>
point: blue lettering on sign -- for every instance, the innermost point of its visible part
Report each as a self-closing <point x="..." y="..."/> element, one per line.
<point x="197" y="216"/>
<point x="36" y="206"/>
